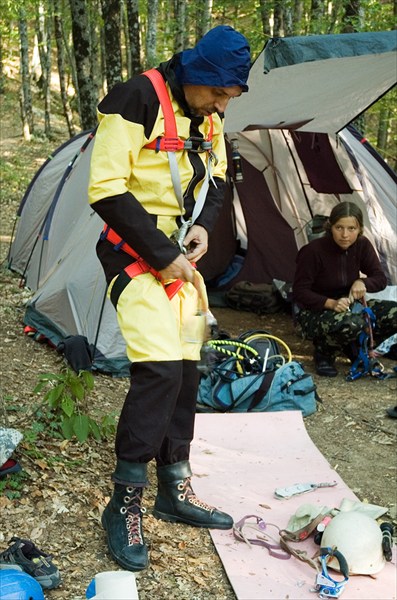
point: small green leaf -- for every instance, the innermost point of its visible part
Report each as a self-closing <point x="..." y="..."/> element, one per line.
<point x="95" y="430"/>
<point x="68" y="405"/>
<point x="67" y="428"/>
<point x="53" y="395"/>
<point x="50" y="377"/>
<point x="77" y="389"/>
<point x="88" y="379"/>
<point x="108" y="425"/>
<point x="39" y="387"/>
<point x="81" y="427"/>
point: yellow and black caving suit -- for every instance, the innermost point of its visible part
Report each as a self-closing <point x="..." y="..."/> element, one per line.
<point x="132" y="190"/>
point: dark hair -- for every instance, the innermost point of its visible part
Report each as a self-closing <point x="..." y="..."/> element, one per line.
<point x="342" y="210"/>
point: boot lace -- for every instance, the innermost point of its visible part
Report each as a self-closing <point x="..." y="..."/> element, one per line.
<point x="187" y="494"/>
<point x="133" y="515"/>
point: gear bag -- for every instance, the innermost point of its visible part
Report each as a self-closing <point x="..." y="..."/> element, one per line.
<point x="259" y="298"/>
<point x="246" y="375"/>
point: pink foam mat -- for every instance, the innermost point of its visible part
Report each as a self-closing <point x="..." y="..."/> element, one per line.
<point x="238" y="460"/>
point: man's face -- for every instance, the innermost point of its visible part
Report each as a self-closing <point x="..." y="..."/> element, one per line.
<point x="203" y="100"/>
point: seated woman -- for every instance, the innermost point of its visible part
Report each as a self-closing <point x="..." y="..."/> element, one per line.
<point x="332" y="273"/>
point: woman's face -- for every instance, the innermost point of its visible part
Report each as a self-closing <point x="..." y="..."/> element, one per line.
<point x="345" y="232"/>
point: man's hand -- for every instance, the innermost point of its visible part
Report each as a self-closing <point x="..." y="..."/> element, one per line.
<point x="180" y="268"/>
<point x="196" y="241"/>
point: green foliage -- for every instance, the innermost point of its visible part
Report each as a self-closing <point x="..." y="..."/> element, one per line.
<point x="14" y="180"/>
<point x="382" y="116"/>
<point x="12" y="487"/>
<point x="378" y="16"/>
<point x="64" y="407"/>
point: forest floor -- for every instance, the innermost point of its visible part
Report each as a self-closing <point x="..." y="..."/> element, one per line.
<point x="57" y="499"/>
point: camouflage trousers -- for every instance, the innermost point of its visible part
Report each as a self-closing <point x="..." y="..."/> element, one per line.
<point x="334" y="333"/>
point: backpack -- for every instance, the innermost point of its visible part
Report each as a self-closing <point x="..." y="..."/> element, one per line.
<point x="291" y="389"/>
<point x="270" y="348"/>
<point x="260" y="298"/>
<point x="250" y="374"/>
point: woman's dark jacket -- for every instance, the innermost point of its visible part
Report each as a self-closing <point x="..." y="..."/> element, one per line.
<point x="324" y="270"/>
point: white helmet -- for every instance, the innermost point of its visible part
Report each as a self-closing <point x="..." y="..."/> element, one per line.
<point x="358" y="538"/>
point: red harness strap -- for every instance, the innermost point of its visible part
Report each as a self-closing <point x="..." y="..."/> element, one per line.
<point x="139" y="266"/>
<point x="170" y="142"/>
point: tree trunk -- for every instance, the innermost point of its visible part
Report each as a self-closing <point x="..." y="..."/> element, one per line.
<point x="75" y="101"/>
<point x="383" y="126"/>
<point x="61" y="69"/>
<point x="111" y="11"/>
<point x="38" y="66"/>
<point x="82" y="51"/>
<point x="26" y="92"/>
<point x="97" y="56"/>
<point x="2" y="78"/>
<point x="134" y="41"/>
<point x="335" y="11"/>
<point x="203" y="17"/>
<point x="151" y="33"/>
<point x="44" y="31"/>
<point x="288" y="20"/>
<point x="102" y="54"/>
<point x="265" y="17"/>
<point x="297" y="23"/>
<point x="278" y="27"/>
<point x="180" y="25"/>
<point x="48" y="64"/>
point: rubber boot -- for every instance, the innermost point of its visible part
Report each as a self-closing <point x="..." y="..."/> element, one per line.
<point x="176" y="502"/>
<point x="324" y="364"/>
<point x="122" y="520"/>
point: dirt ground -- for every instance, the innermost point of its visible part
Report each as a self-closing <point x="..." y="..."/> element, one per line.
<point x="58" y="499"/>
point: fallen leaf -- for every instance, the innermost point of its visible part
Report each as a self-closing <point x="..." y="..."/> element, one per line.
<point x="41" y="463"/>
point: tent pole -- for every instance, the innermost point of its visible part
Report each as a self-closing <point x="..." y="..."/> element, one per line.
<point x="99" y="321"/>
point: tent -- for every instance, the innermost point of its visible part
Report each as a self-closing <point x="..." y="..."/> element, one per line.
<point x="298" y="156"/>
<point x="289" y="178"/>
<point x="298" y="159"/>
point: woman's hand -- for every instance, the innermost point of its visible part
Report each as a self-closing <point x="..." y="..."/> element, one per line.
<point x="357" y="290"/>
<point x="340" y="305"/>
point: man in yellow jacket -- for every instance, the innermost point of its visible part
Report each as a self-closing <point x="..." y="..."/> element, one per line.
<point x="160" y="196"/>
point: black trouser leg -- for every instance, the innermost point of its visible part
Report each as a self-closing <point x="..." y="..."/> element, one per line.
<point x="148" y="410"/>
<point x="176" y="443"/>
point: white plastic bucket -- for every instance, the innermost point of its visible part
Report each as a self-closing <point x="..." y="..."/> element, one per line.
<point x="117" y="585"/>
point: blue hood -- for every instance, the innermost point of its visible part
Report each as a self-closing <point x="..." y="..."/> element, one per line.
<point x="220" y="59"/>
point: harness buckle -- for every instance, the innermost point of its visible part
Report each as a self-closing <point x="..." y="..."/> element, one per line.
<point x="197" y="145"/>
<point x="170" y="144"/>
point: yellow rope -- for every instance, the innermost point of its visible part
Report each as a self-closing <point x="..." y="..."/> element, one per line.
<point x="256" y="336"/>
<point x="240" y="345"/>
<point x="217" y="345"/>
